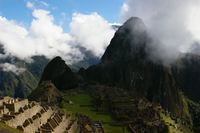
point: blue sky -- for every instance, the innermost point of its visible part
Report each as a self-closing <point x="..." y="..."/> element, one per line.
<point x="62" y="10"/>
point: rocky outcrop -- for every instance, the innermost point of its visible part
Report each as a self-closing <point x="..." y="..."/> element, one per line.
<point x="46" y="92"/>
<point x="128" y="43"/>
<point x="187" y="74"/>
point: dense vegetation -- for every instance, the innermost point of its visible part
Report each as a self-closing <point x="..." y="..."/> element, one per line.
<point x="22" y="84"/>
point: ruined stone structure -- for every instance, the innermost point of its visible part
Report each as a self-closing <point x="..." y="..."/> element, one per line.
<point x="32" y="117"/>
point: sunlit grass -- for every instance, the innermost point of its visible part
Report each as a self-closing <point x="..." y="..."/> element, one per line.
<point x="82" y="103"/>
<point x="174" y="127"/>
<point x="7" y="129"/>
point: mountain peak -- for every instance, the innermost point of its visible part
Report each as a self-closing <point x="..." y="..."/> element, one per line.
<point x="60" y="74"/>
<point x="134" y="20"/>
<point x="134" y="24"/>
<point x="129" y="41"/>
<point x="54" y="68"/>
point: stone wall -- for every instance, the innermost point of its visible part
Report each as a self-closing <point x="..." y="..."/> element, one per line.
<point x="63" y="125"/>
<point x="32" y="127"/>
<point x="15" y="104"/>
<point x="74" y="128"/>
<point x="4" y="99"/>
<point x="20" y="118"/>
<point x="19" y="104"/>
<point x="42" y="118"/>
<point x="32" y="117"/>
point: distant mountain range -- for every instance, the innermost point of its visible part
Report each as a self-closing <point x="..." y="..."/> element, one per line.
<point x="20" y="84"/>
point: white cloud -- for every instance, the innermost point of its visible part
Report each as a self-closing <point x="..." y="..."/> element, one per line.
<point x="115" y="23"/>
<point x="125" y="8"/>
<point x="194" y="21"/>
<point x="36" y="4"/>
<point x="44" y="37"/>
<point x="170" y="23"/>
<point x="7" y="67"/>
<point x="30" y="5"/>
<point x="91" y="32"/>
<point x="44" y="3"/>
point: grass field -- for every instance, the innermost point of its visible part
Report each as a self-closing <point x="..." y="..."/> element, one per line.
<point x="6" y="129"/>
<point x="82" y="103"/>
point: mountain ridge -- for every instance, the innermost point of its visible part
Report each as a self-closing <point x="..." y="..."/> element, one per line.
<point x="126" y="64"/>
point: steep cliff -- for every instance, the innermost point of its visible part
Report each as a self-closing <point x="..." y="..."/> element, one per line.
<point x="20" y="83"/>
<point x="187" y="74"/>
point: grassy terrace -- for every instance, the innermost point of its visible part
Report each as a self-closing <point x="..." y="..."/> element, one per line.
<point x="174" y="127"/>
<point x="6" y="129"/>
<point x="82" y="103"/>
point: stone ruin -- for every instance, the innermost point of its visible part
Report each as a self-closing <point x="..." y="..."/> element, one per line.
<point x="87" y="125"/>
<point x="32" y="117"/>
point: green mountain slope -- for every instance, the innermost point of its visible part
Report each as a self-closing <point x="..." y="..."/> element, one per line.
<point x="21" y="84"/>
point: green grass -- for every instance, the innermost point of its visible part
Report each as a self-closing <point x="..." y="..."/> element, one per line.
<point x="81" y="98"/>
<point x="169" y="121"/>
<point x="7" y="129"/>
<point x="172" y="129"/>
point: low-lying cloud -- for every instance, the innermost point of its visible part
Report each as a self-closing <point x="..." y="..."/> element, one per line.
<point x="44" y="37"/>
<point x="173" y="24"/>
<point x="7" y="67"/>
